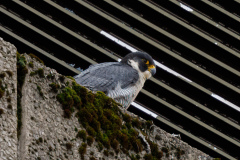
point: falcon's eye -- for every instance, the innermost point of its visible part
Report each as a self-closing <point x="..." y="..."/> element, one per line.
<point x="145" y="61"/>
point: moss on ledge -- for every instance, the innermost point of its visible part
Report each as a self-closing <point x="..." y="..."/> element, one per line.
<point x="103" y="121"/>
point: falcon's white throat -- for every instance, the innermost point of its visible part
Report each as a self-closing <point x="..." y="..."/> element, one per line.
<point x="146" y="75"/>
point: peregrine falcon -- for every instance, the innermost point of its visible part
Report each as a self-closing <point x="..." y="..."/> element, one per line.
<point x="122" y="80"/>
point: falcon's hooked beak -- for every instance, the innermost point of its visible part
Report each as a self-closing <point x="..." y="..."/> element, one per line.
<point x="152" y="69"/>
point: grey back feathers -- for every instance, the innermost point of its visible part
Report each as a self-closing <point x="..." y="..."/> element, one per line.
<point x="106" y="76"/>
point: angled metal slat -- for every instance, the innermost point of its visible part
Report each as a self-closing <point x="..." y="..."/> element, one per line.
<point x="237" y="1"/>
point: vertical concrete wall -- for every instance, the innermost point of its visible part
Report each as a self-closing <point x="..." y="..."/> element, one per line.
<point x="45" y="131"/>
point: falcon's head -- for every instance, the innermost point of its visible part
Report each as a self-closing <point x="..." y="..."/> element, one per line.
<point x="142" y="62"/>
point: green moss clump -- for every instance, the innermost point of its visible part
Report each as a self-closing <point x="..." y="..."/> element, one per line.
<point x="85" y="117"/>
<point x="95" y="124"/>
<point x="65" y="98"/>
<point x="127" y="118"/>
<point x="82" y="134"/>
<point x="90" y="140"/>
<point x="34" y="56"/>
<point x="40" y="72"/>
<point x="76" y="87"/>
<point x="154" y="150"/>
<point x="136" y="123"/>
<point x="40" y="91"/>
<point x="77" y="101"/>
<point x="81" y="92"/>
<point x="82" y="149"/>
<point x="136" y="144"/>
<point x="21" y="61"/>
<point x="100" y="99"/>
<point x="125" y="141"/>
<point x="91" y="131"/>
<point x="68" y="100"/>
<point x="132" y="132"/>
<point x="50" y="76"/>
<point x="90" y="97"/>
<point x="105" y="123"/>
<point x="33" y="73"/>
<point x="67" y="83"/>
<point x="148" y="124"/>
<point x="30" y="64"/>
<point x="105" y="141"/>
<point x="115" y="144"/>
<point x="54" y="87"/>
